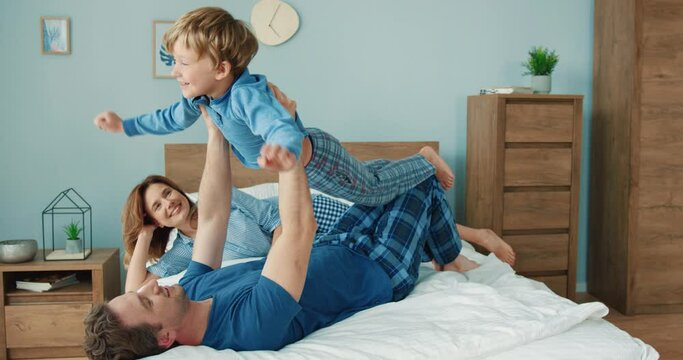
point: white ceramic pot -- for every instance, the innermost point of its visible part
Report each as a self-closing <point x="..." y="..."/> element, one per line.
<point x="73" y="246"/>
<point x="541" y="84"/>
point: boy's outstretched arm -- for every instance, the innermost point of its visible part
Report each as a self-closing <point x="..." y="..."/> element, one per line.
<point x="174" y="118"/>
<point x="109" y="121"/>
<point x="214" y="192"/>
<point x="286" y="102"/>
<point x="278" y="158"/>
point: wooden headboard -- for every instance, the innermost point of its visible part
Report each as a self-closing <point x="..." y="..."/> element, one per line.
<point x="185" y="162"/>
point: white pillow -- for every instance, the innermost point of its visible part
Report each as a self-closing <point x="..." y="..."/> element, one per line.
<point x="267" y="190"/>
<point x="261" y="191"/>
<point x="193" y="196"/>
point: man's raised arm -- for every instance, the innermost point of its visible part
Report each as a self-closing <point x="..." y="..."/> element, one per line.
<point x="288" y="258"/>
<point x="214" y="195"/>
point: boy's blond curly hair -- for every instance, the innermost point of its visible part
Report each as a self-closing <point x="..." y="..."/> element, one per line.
<point x="214" y="32"/>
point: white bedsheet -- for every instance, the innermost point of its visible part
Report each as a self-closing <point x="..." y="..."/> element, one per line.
<point x="487" y="313"/>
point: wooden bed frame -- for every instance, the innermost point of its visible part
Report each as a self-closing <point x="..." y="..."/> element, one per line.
<point x="184" y="162"/>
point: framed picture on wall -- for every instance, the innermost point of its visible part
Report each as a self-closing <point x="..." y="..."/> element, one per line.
<point x="162" y="60"/>
<point x="54" y="35"/>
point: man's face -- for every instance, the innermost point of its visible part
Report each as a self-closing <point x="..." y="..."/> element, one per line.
<point x="152" y="304"/>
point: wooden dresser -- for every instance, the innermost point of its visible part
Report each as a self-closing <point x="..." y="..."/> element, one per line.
<point x="40" y="325"/>
<point x="635" y="252"/>
<point x="523" y="163"/>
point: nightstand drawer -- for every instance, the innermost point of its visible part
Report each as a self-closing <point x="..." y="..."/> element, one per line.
<point x="558" y="284"/>
<point x="539" y="122"/>
<point x="45" y="325"/>
<point x="538" y="167"/>
<point x="543" y="252"/>
<point x="536" y="210"/>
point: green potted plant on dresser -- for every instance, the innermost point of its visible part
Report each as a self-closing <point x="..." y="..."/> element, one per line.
<point x="73" y="240"/>
<point x="540" y="66"/>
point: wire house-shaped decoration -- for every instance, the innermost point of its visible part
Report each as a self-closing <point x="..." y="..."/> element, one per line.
<point x="66" y="209"/>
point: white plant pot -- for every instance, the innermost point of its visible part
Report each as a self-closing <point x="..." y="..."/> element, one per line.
<point x="541" y="84"/>
<point x="73" y="246"/>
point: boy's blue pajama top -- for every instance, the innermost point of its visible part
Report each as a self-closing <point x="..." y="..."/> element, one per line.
<point x="248" y="115"/>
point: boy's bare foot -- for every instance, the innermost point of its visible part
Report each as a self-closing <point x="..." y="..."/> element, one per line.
<point x="493" y="243"/>
<point x="443" y="172"/>
<point x="460" y="264"/>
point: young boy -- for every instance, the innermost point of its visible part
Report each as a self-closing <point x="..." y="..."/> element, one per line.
<point x="211" y="51"/>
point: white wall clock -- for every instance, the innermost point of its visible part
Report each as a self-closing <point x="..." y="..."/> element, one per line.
<point x="274" y="21"/>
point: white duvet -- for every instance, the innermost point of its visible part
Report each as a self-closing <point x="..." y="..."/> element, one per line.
<point x="488" y="312"/>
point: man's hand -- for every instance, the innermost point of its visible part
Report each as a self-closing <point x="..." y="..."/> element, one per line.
<point x="276" y="158"/>
<point x="210" y="126"/>
<point x="109" y="122"/>
<point x="287" y="103"/>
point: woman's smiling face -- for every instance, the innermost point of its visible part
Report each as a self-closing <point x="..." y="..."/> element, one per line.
<point x="166" y="206"/>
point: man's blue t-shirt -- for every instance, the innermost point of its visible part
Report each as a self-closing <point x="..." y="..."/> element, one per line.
<point x="251" y="312"/>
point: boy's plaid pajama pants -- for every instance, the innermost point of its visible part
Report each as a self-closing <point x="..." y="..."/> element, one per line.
<point x="335" y="172"/>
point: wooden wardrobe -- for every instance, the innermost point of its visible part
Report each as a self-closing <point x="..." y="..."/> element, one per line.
<point x="635" y="246"/>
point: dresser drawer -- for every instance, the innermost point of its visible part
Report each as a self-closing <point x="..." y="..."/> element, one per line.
<point x="539" y="122"/>
<point x="538" y="167"/>
<point x="536" y="210"/>
<point x="543" y="252"/>
<point x="45" y="325"/>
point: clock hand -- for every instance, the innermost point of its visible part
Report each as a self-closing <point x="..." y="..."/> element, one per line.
<point x="274" y="12"/>
<point x="275" y="31"/>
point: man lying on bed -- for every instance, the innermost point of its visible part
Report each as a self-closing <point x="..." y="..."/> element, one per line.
<point x="370" y="257"/>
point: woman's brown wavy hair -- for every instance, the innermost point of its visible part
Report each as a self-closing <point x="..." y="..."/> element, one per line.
<point x="134" y="217"/>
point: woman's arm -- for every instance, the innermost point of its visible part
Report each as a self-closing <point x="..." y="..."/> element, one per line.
<point x="214" y="190"/>
<point x="137" y="273"/>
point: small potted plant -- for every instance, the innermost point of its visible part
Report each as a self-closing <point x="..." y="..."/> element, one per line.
<point x="540" y="66"/>
<point x="73" y="240"/>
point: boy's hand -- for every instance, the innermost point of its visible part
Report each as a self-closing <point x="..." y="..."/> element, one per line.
<point x="109" y="122"/>
<point x="276" y="158"/>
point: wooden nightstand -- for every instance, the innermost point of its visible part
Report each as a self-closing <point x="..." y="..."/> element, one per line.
<point x="50" y="324"/>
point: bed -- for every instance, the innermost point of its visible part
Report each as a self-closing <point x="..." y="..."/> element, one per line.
<point x="487" y="313"/>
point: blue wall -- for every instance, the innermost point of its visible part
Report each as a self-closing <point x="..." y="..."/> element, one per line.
<point x="363" y="70"/>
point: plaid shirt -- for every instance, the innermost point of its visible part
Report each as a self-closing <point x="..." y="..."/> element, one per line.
<point x="250" y="228"/>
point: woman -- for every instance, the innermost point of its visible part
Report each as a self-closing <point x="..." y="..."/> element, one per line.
<point x="157" y="206"/>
